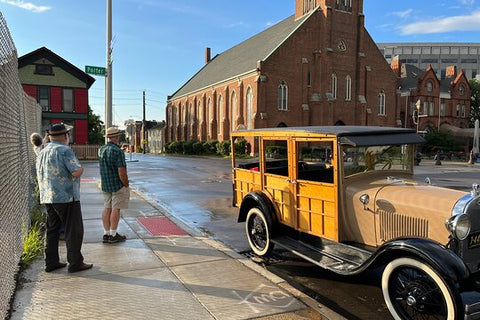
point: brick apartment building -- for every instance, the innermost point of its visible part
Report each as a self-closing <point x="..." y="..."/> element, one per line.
<point x="60" y="88"/>
<point x="317" y="67"/>
<point x="443" y="104"/>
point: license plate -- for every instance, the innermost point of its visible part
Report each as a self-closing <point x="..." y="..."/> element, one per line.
<point x="474" y="240"/>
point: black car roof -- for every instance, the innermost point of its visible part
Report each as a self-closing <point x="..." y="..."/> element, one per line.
<point x="352" y="135"/>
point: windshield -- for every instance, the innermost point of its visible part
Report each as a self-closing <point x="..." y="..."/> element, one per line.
<point x="357" y="160"/>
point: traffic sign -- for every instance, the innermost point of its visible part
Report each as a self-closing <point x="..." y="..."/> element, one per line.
<point x="98" y="71"/>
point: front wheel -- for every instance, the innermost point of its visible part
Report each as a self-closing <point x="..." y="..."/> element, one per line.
<point x="413" y="290"/>
<point x="259" y="232"/>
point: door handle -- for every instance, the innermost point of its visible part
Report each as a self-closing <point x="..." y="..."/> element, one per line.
<point x="290" y="181"/>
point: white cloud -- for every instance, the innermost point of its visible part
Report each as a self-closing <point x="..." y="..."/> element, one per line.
<point x="26" y="5"/>
<point x="449" y="24"/>
<point x="403" y="14"/>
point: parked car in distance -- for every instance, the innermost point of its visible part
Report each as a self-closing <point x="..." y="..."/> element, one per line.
<point x="344" y="198"/>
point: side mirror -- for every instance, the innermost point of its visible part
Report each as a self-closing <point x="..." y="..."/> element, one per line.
<point x="365" y="200"/>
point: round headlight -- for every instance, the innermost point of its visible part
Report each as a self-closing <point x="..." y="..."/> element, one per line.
<point x="459" y="226"/>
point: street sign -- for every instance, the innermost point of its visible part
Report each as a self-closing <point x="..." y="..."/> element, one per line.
<point x="97" y="71"/>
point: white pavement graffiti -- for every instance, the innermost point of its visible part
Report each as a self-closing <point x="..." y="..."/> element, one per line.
<point x="262" y="296"/>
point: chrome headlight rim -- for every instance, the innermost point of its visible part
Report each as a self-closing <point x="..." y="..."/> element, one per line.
<point x="459" y="226"/>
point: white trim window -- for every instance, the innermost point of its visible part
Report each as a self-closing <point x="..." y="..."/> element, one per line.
<point x="184" y="115"/>
<point x="200" y="112"/>
<point x="221" y="115"/>
<point x="463" y="111"/>
<point x="192" y="113"/>
<point x="429" y="86"/>
<point x="348" y="88"/>
<point x="249" y="98"/>
<point x="234" y="107"/>
<point x="333" y="86"/>
<point x="458" y="110"/>
<point x="381" y="103"/>
<point x="431" y="111"/>
<point x="68" y="100"/>
<point x="283" y="96"/>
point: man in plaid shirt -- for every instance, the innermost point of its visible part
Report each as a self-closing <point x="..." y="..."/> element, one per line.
<point x="116" y="193"/>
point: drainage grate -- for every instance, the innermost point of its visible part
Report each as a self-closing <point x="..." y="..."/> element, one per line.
<point x="265" y="261"/>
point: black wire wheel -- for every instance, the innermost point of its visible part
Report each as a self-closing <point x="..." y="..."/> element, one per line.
<point x="258" y="231"/>
<point x="414" y="290"/>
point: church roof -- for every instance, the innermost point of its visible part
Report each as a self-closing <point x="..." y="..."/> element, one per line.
<point x="241" y="58"/>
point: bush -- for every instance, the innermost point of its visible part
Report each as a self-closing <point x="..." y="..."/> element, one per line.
<point x="188" y="147"/>
<point x="198" y="148"/>
<point x="277" y="150"/>
<point x="224" y="148"/>
<point x="210" y="146"/>
<point x="176" y="147"/>
<point x="240" y="146"/>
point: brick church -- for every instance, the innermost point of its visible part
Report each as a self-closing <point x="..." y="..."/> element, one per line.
<point x="317" y="67"/>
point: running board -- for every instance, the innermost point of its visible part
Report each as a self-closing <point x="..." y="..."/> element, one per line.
<point x="337" y="257"/>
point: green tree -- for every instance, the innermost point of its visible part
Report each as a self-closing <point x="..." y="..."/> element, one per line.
<point x="95" y="128"/>
<point x="475" y="102"/>
<point x="440" y="141"/>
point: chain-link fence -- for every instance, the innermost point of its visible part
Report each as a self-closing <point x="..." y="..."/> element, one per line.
<point x="20" y="116"/>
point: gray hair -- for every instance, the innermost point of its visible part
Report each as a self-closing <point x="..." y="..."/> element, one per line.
<point x="36" y="139"/>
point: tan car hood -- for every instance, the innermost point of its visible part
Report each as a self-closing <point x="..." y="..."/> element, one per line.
<point x="400" y="207"/>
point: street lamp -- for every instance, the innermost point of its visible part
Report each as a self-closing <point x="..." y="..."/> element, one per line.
<point x="416" y="114"/>
<point x="417" y="106"/>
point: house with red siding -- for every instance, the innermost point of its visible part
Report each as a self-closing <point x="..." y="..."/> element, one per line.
<point x="60" y="88"/>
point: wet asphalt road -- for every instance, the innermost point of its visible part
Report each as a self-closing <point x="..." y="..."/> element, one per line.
<point x="198" y="191"/>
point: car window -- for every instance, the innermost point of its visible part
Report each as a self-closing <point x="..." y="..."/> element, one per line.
<point x="376" y="158"/>
<point x="315" y="161"/>
<point x="276" y="157"/>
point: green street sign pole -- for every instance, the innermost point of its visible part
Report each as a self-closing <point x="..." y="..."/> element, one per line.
<point x="97" y="71"/>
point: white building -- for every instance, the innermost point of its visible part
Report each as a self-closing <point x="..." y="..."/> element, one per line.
<point x="465" y="56"/>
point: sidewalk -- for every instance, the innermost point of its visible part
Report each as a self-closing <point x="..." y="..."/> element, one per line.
<point x="162" y="272"/>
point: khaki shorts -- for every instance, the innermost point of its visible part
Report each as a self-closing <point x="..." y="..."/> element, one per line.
<point x="117" y="200"/>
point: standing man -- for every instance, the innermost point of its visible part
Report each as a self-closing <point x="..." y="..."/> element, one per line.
<point x="116" y="193"/>
<point x="58" y="174"/>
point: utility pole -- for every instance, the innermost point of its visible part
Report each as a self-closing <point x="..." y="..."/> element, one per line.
<point x="108" y="76"/>
<point x="144" y="126"/>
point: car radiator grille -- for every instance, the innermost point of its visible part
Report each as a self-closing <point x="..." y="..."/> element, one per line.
<point x="393" y="225"/>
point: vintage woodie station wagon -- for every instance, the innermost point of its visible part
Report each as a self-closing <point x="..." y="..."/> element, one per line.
<point x="344" y="198"/>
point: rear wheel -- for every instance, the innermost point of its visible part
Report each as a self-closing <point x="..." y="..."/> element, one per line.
<point x="259" y="232"/>
<point x="414" y="290"/>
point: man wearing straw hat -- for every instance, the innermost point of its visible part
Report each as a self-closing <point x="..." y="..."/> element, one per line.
<point x="58" y="175"/>
<point x="116" y="193"/>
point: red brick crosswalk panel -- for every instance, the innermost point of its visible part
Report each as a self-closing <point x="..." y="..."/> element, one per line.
<point x="160" y="226"/>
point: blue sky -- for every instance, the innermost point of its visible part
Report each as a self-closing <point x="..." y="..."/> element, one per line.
<point x="159" y="44"/>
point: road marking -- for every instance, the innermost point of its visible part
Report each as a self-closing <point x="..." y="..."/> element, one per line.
<point x="275" y="297"/>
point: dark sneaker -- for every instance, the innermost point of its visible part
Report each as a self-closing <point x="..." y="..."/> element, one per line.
<point x="117" y="238"/>
<point x="106" y="237"/>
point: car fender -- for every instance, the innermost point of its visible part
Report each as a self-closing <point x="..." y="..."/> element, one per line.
<point x="442" y="259"/>
<point x="257" y="199"/>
